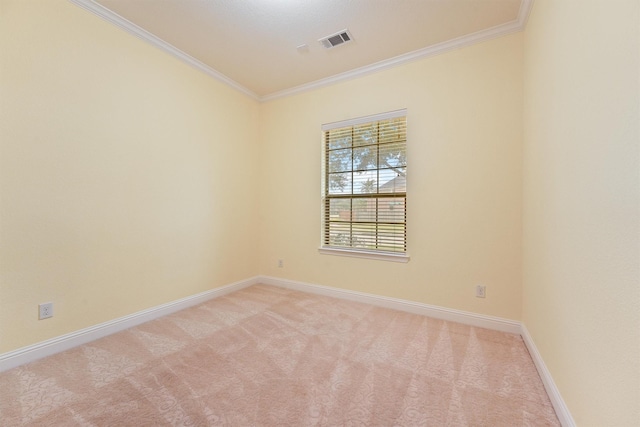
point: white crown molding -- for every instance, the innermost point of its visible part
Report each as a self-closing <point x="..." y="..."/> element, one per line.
<point x="562" y="412"/>
<point x="65" y="342"/>
<point x="449" y="314"/>
<point x="437" y="49"/>
<point x="143" y="34"/>
<point x="524" y="12"/>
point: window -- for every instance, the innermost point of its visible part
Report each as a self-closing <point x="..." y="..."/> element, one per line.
<point x="365" y="187"/>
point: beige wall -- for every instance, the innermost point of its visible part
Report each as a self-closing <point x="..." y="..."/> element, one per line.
<point x="120" y="166"/>
<point x="464" y="180"/>
<point x="127" y="178"/>
<point x="581" y="288"/>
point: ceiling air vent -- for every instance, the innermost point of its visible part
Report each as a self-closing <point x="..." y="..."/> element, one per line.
<point x="336" y="39"/>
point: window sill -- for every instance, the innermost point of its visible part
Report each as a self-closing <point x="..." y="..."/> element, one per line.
<point x="381" y="256"/>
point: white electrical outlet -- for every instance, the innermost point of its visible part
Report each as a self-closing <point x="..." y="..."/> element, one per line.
<point x="280" y="263"/>
<point x="45" y="310"/>
<point x="481" y="291"/>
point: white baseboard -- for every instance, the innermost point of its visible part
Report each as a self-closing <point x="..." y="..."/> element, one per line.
<point x="562" y="412"/>
<point x="473" y="319"/>
<point x="64" y="342"/>
<point x="465" y="317"/>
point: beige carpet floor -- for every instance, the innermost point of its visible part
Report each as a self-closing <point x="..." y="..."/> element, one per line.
<point x="266" y="356"/>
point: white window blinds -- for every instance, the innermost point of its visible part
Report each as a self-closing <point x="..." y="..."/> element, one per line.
<point x="365" y="183"/>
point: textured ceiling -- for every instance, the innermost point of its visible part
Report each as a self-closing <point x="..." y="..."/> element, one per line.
<point x="253" y="42"/>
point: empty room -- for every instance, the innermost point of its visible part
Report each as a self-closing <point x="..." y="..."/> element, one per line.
<point x="304" y="213"/>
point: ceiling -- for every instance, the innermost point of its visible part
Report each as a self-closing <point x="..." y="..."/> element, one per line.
<point x="253" y="44"/>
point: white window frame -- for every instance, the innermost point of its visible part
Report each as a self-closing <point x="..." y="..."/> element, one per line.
<point x="350" y="251"/>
